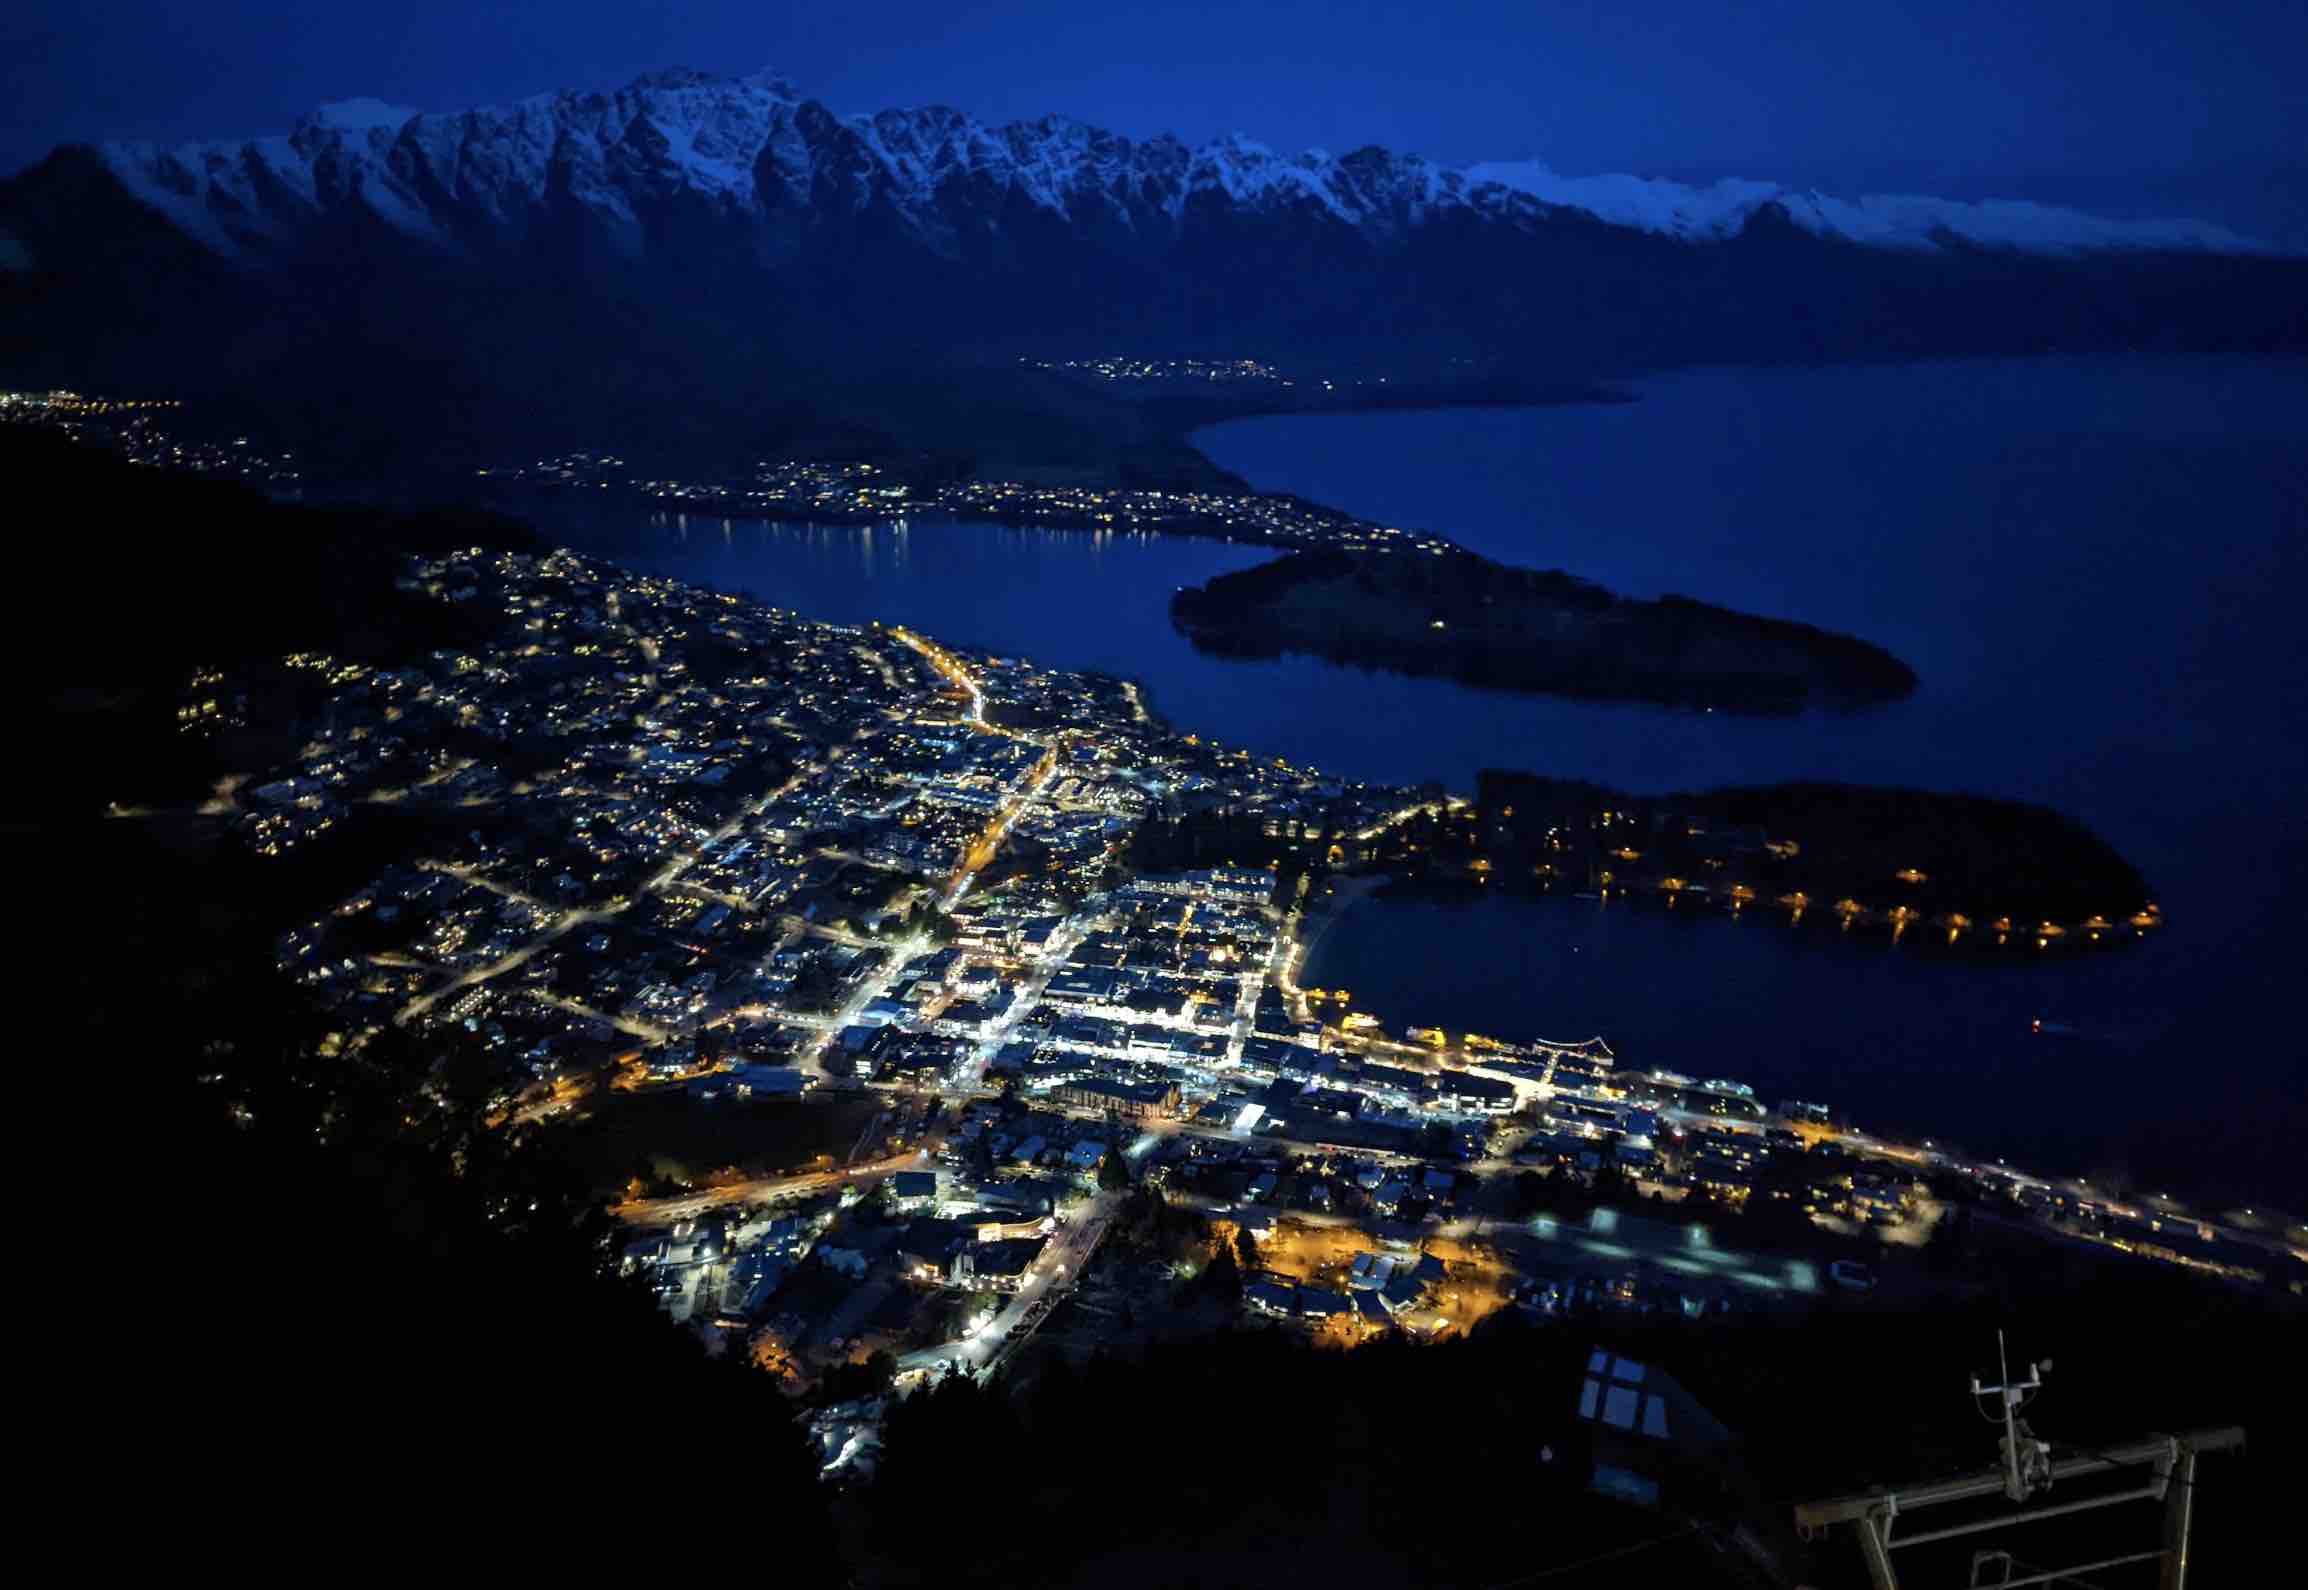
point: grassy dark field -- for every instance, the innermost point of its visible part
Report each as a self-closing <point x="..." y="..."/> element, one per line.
<point x="666" y="1132"/>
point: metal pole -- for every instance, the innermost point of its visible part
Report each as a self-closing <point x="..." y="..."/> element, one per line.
<point x="2015" y="1485"/>
<point x="2007" y="1520"/>
<point x="2179" y="1515"/>
<point x="1845" y="1509"/>
<point x="1872" y="1530"/>
<point x="2174" y="1458"/>
<point x="2057" y="1575"/>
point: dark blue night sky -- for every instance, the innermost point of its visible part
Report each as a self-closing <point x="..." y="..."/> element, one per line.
<point x="2124" y="106"/>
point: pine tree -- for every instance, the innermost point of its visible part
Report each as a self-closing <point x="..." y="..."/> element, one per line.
<point x="1113" y="1171"/>
<point x="1223" y="1277"/>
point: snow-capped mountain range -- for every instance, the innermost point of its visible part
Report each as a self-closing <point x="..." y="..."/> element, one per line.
<point x="724" y="260"/>
<point x="751" y="149"/>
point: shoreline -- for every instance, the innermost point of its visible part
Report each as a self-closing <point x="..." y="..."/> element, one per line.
<point x="2074" y="1160"/>
<point x="1483" y="624"/>
<point x="1816" y="921"/>
<point x="1350" y="892"/>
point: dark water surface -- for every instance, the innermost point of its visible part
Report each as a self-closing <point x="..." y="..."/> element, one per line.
<point x="2098" y="567"/>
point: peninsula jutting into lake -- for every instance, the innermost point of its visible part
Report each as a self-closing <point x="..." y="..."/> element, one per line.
<point x="1467" y="618"/>
<point x="1962" y="870"/>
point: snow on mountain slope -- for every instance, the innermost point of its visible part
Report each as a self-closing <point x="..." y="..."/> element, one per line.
<point x="363" y="115"/>
<point x="1673" y="209"/>
<point x="1667" y="208"/>
<point x="750" y="149"/>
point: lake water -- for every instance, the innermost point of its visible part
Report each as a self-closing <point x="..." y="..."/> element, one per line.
<point x="2098" y="567"/>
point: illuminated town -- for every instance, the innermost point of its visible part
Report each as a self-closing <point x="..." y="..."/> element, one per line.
<point x="140" y="430"/>
<point x="708" y="872"/>
<point x="1072" y="798"/>
<point x="863" y="493"/>
<point x="1121" y="367"/>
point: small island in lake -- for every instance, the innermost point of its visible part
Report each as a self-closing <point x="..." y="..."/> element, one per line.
<point x="1460" y="616"/>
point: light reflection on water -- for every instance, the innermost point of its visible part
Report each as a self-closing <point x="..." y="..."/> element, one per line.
<point x="2093" y="564"/>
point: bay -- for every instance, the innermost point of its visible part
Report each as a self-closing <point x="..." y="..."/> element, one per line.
<point x="2097" y="566"/>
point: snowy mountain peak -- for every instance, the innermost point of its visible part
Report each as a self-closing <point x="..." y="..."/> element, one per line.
<point x="752" y="150"/>
<point x="691" y="242"/>
<point x="1722" y="209"/>
<point x="358" y="115"/>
